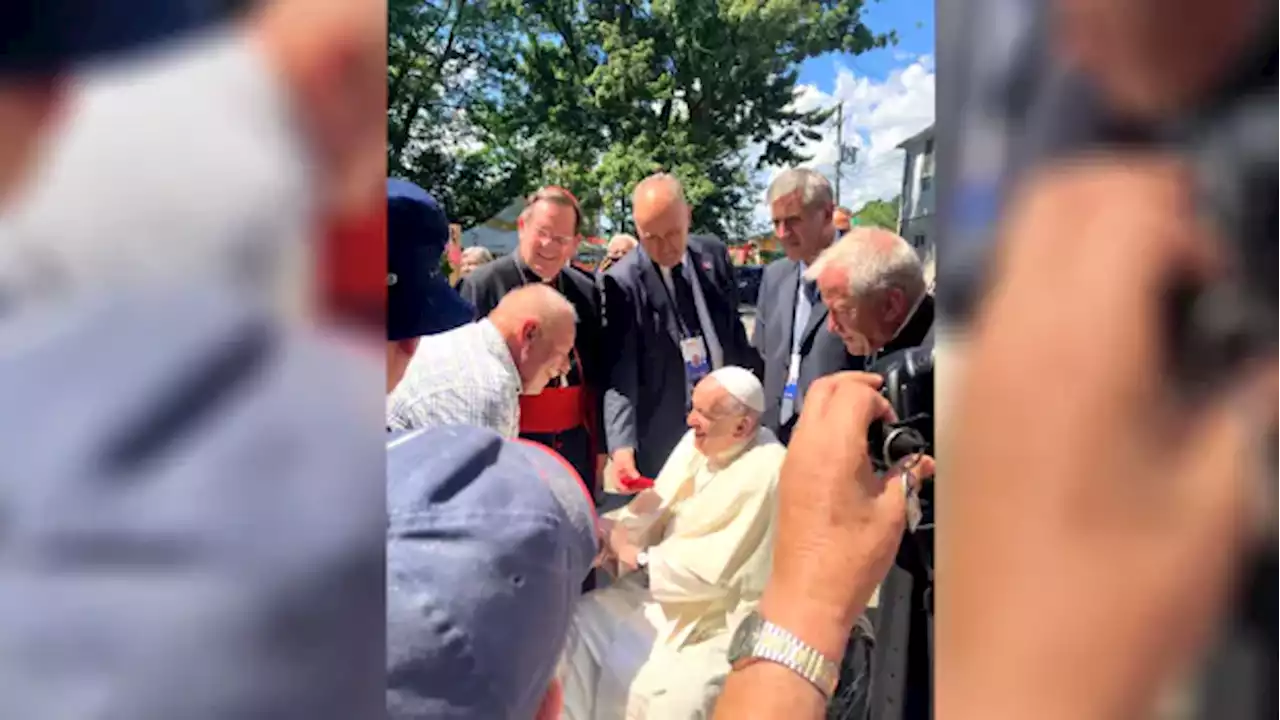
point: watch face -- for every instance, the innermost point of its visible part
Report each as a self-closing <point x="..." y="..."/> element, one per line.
<point x="744" y="638"/>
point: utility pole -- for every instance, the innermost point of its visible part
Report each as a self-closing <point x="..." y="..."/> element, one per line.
<point x="839" y="147"/>
<point x="843" y="154"/>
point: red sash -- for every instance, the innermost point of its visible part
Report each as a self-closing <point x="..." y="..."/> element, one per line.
<point x="554" y="410"/>
<point x="557" y="410"/>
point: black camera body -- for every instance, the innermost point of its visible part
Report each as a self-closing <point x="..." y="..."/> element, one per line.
<point x="908" y="386"/>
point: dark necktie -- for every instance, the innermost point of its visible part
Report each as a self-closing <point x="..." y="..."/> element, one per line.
<point x="811" y="292"/>
<point x="685" y="304"/>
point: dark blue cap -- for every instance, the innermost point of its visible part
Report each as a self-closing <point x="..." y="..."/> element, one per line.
<point x="488" y="541"/>
<point x="419" y="299"/>
<point x="45" y="37"/>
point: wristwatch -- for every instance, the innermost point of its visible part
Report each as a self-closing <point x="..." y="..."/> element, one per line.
<point x="758" y="639"/>
<point x="642" y="559"/>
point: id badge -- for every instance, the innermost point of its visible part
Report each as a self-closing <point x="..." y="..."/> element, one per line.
<point x="793" y="377"/>
<point x="696" y="362"/>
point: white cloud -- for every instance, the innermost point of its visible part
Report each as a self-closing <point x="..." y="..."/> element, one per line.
<point x="877" y="116"/>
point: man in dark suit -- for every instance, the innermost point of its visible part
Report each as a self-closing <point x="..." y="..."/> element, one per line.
<point x="565" y="416"/>
<point x="673" y="317"/>
<point x="790" y="332"/>
<point x="873" y="282"/>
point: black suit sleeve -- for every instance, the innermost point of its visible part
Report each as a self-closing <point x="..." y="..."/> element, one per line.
<point x="621" y="354"/>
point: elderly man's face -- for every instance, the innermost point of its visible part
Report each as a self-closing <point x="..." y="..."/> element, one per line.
<point x="545" y="354"/>
<point x="548" y="238"/>
<point x="468" y="265"/>
<point x="803" y="231"/>
<point x="618" y="249"/>
<point x="662" y="223"/>
<point x="714" y="430"/>
<point x="865" y="324"/>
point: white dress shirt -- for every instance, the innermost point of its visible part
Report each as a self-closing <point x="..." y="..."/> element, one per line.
<point x="714" y="348"/>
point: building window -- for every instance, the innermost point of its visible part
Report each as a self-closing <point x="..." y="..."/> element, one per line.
<point x="917" y="241"/>
<point x="928" y="146"/>
<point x="926" y="182"/>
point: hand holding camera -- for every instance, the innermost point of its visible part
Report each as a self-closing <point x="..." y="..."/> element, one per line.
<point x="839" y="521"/>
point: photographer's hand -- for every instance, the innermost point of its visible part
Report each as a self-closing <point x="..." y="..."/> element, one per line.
<point x="1091" y="517"/>
<point x="839" y="527"/>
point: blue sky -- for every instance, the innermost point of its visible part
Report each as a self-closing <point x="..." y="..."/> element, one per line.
<point x="912" y="19"/>
<point x="888" y="96"/>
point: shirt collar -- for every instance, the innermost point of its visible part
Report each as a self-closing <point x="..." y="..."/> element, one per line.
<point x="910" y="315"/>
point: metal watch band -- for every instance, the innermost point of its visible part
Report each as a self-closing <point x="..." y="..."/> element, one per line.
<point x="777" y="645"/>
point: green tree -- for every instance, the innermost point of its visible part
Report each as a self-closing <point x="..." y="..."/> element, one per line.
<point x="605" y="92"/>
<point x="445" y="60"/>
<point x="879" y="213"/>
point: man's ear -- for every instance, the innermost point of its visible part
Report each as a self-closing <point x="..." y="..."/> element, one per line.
<point x="529" y="332"/>
<point x="408" y="346"/>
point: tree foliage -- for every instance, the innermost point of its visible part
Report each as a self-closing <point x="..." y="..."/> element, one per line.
<point x="445" y="58"/>
<point x="489" y="99"/>
<point x="879" y="213"/>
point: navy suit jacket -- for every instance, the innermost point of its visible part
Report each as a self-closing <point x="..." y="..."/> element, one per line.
<point x="646" y="398"/>
<point x="821" y="351"/>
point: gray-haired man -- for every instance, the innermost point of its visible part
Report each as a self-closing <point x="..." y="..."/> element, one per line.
<point x="790" y="332"/>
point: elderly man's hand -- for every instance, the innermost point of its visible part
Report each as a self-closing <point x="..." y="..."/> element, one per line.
<point x="1084" y="499"/>
<point x="839" y="522"/>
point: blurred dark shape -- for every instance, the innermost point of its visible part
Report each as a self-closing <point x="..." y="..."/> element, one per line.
<point x="46" y="37"/>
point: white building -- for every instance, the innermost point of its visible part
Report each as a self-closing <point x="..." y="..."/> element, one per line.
<point x="915" y="213"/>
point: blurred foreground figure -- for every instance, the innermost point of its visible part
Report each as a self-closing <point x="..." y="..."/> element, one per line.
<point x="187" y="541"/>
<point x="694" y="552"/>
<point x="289" y="128"/>
<point x="1137" y="497"/>
<point x="487" y="545"/>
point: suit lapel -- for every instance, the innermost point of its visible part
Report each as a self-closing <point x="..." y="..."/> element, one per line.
<point x="817" y="316"/>
<point x="712" y="296"/>
<point x="787" y="306"/>
<point x="657" y="291"/>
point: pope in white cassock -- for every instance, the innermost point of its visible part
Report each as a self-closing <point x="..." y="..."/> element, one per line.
<point x="692" y="555"/>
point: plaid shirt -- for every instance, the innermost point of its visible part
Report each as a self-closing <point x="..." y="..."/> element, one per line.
<point x="462" y="377"/>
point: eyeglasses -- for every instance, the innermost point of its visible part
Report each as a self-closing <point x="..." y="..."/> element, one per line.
<point x="546" y="236"/>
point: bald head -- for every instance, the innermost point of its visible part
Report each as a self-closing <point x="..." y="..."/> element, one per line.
<point x="870" y="280"/>
<point x="539" y="327"/>
<point x="662" y="218"/>
<point x="620" y="245"/>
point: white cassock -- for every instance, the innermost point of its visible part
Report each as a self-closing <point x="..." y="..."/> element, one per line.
<point x="659" y="652"/>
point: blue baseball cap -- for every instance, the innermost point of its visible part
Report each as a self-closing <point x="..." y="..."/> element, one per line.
<point x="46" y="37"/>
<point x="488" y="542"/>
<point x="419" y="299"/>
